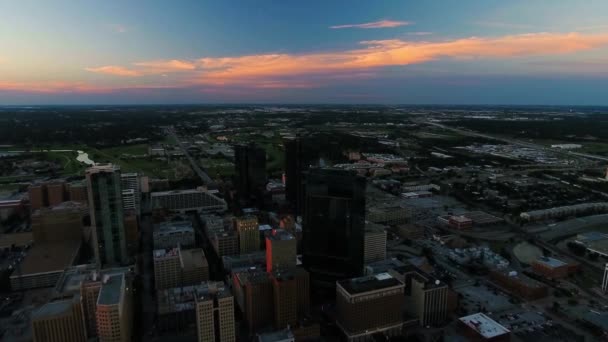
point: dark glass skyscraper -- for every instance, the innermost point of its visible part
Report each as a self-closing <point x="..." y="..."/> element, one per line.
<point x="105" y="203"/>
<point x="250" y="169"/>
<point x="334" y="225"/>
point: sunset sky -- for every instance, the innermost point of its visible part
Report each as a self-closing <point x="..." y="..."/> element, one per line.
<point x="428" y="52"/>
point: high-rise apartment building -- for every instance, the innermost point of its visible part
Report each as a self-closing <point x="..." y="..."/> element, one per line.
<point x="285" y="298"/>
<point x="334" y="225"/>
<point x="106" y="207"/>
<point x="249" y="234"/>
<point x="59" y="321"/>
<point x="130" y="182"/>
<point x="281" y="250"/>
<point x="369" y="305"/>
<point x="250" y="169"/>
<point x="374" y="243"/>
<point x="215" y="313"/>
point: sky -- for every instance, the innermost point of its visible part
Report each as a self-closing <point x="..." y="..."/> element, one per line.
<point x="552" y="52"/>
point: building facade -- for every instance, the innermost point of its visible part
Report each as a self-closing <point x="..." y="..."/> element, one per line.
<point x="106" y="208"/>
<point x="249" y="235"/>
<point x="281" y="250"/>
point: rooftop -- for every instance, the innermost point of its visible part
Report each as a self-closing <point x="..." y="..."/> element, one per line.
<point x="252" y="276"/>
<point x="484" y="325"/>
<point x="172" y="227"/>
<point x="550" y="262"/>
<point x="183" y="298"/>
<point x="280" y="234"/>
<point x="163" y="253"/>
<point x="70" y="281"/>
<point x="193" y="258"/>
<point x="49" y="257"/>
<point x="111" y="290"/>
<point x="276" y="336"/>
<point x="369" y="283"/>
<point x="51" y="309"/>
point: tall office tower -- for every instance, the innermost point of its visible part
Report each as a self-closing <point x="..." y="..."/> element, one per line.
<point x="285" y="294"/>
<point x="303" y="291"/>
<point x="249" y="234"/>
<point x="281" y="250"/>
<point x="114" y="309"/>
<point x="215" y="313"/>
<point x="369" y="305"/>
<point x="375" y="243"/>
<point x="254" y="294"/>
<point x="295" y="165"/>
<point x="131" y="231"/>
<point x="55" y="192"/>
<point x="59" y="321"/>
<point x="60" y="223"/>
<point x="105" y="203"/>
<point x="130" y="182"/>
<point x="430" y="300"/>
<point x="37" y="194"/>
<point x="77" y="192"/>
<point x="250" y="169"/>
<point x="129" y="200"/>
<point x="334" y="225"/>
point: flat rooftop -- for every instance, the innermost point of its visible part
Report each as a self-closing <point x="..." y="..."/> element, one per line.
<point x="70" y="281"/>
<point x="280" y="235"/>
<point x="111" y="290"/>
<point x="484" y="325"/>
<point x="252" y="276"/>
<point x="550" y="262"/>
<point x="49" y="257"/>
<point x="52" y="309"/>
<point x="193" y="258"/>
<point x="163" y="253"/>
<point x="173" y="227"/>
<point x="275" y="336"/>
<point x="369" y="283"/>
<point x="183" y="298"/>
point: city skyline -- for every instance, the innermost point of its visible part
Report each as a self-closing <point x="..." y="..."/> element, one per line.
<point x="471" y="52"/>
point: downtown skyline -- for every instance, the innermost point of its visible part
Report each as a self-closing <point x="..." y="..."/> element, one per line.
<point x="153" y="52"/>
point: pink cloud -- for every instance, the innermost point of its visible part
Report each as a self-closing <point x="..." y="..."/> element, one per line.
<point x="373" y="25"/>
<point x="115" y="70"/>
<point x="165" y="66"/>
<point x="420" y="33"/>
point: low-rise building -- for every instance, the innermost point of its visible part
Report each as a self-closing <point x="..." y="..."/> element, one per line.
<point x="553" y="268"/>
<point x="182" y="201"/>
<point x="479" y="327"/>
<point x="172" y="233"/>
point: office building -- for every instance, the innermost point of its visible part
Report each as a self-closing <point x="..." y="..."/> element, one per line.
<point x="77" y="192"/>
<point x="250" y="170"/>
<point x="281" y="250"/>
<point x="374" y="243"/>
<point x="479" y="327"/>
<point x="176" y="267"/>
<point x="254" y="294"/>
<point x="58" y="223"/>
<point x="176" y="231"/>
<point x="55" y="192"/>
<point x="114" y="316"/>
<point x="37" y="195"/>
<point x="130" y="182"/>
<point x="85" y="282"/>
<point x="59" y="321"/>
<point x="249" y="235"/>
<point x="429" y="300"/>
<point x="131" y="231"/>
<point x="369" y="305"/>
<point x="334" y="225"/>
<point x="303" y="291"/>
<point x="215" y="314"/>
<point x="553" y="268"/>
<point x="225" y="243"/>
<point x="183" y="201"/>
<point x="105" y="203"/>
<point x="285" y="299"/>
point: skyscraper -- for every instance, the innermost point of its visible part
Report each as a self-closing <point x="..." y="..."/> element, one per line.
<point x="249" y="235"/>
<point x="280" y="250"/>
<point x="131" y="188"/>
<point x="105" y="203"/>
<point x="295" y="164"/>
<point x="285" y="298"/>
<point x="215" y="313"/>
<point x="250" y="169"/>
<point x="334" y="225"/>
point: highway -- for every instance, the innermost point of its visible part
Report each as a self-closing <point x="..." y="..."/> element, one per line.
<point x="197" y="169"/>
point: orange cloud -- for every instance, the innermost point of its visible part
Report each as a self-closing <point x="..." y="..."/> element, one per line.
<point x="52" y="87"/>
<point x="373" y="25"/>
<point x="165" y="66"/>
<point x="114" y="70"/>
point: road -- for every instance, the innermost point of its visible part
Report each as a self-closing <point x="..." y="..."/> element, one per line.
<point x="197" y="169"/>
